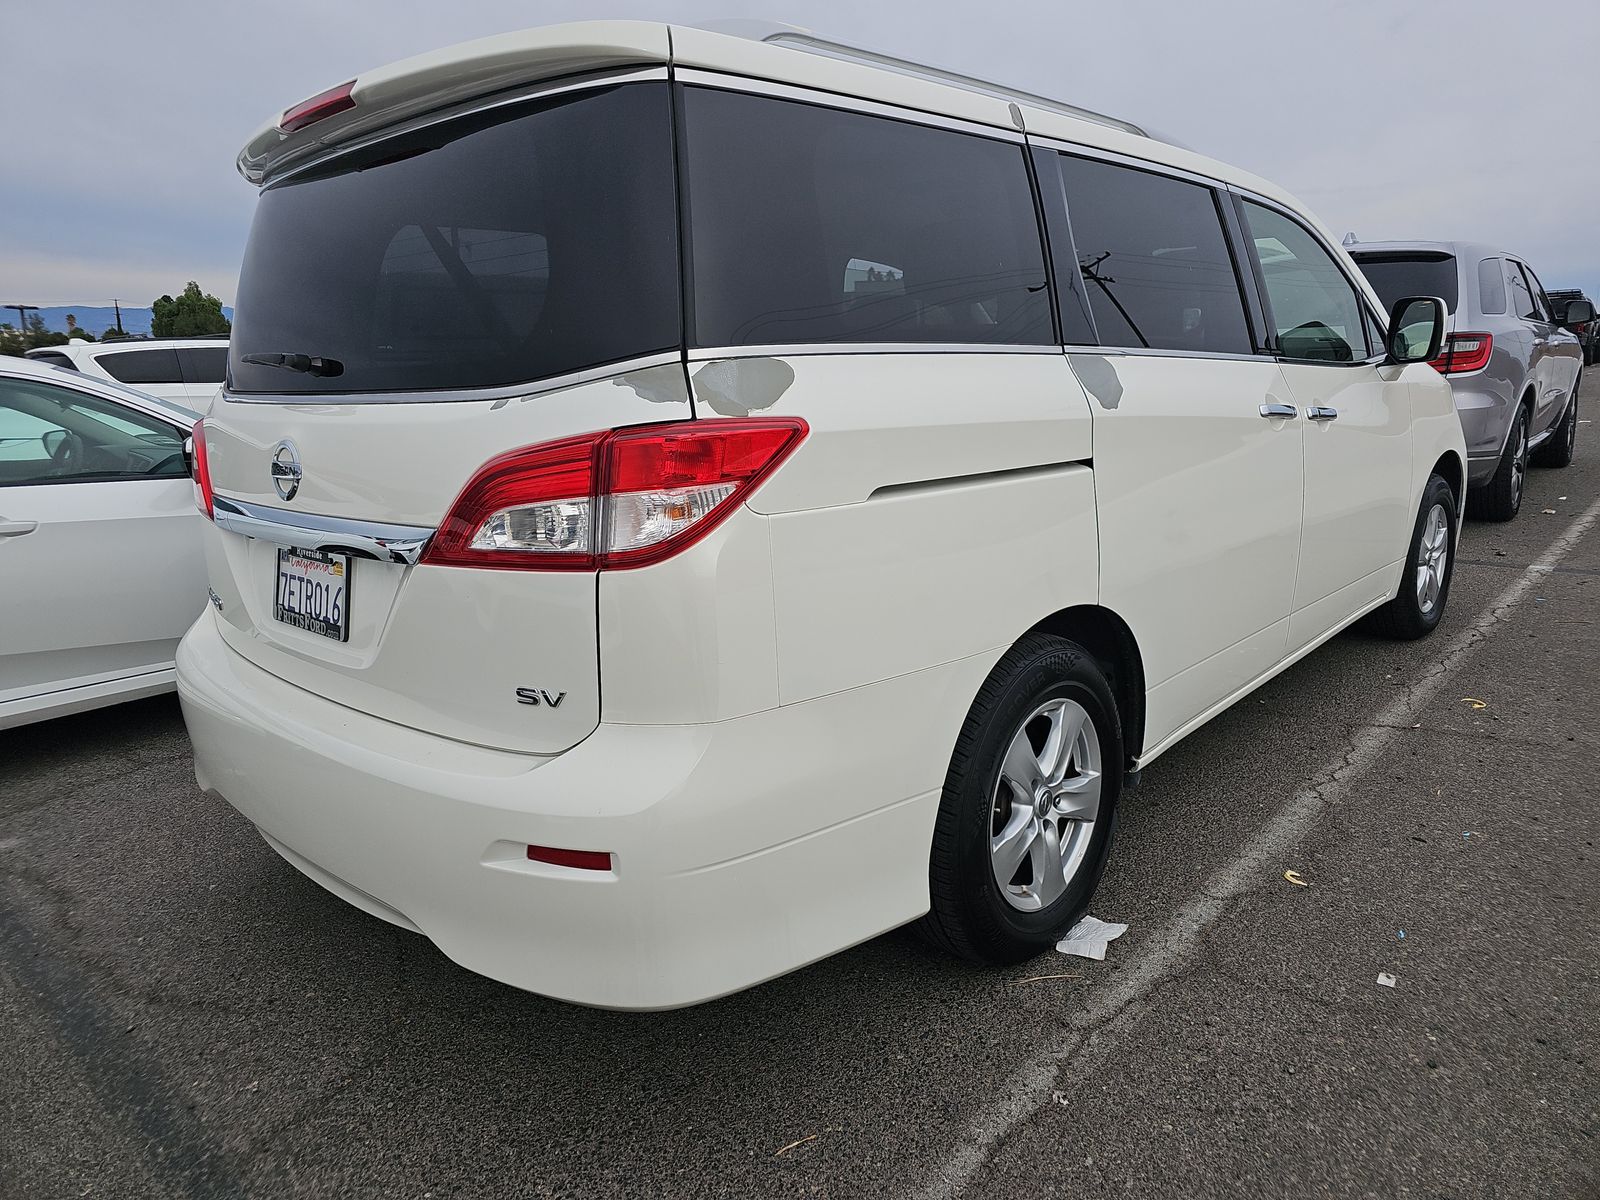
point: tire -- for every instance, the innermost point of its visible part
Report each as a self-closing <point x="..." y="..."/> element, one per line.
<point x="1501" y="497"/>
<point x="1417" y="608"/>
<point x="1044" y="685"/>
<point x="1557" y="452"/>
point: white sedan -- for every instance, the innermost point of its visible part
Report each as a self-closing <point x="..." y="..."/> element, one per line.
<point x="101" y="566"/>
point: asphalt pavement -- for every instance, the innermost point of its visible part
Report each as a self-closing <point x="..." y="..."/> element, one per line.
<point x="184" y="1014"/>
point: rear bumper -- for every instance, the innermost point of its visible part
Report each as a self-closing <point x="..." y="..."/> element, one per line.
<point x="742" y="849"/>
<point x="1485" y="420"/>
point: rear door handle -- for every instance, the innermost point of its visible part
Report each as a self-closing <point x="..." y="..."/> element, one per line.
<point x="1321" y="412"/>
<point x="16" y="528"/>
<point x="1287" y="412"/>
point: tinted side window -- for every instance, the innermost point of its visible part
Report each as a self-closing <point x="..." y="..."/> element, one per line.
<point x="59" y="435"/>
<point x="810" y="224"/>
<point x="141" y="366"/>
<point x="1522" y="301"/>
<point x="204" y="364"/>
<point x="1314" y="309"/>
<point x="1491" y="286"/>
<point x="1154" y="260"/>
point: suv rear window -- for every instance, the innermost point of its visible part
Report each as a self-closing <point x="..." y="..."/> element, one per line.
<point x="503" y="247"/>
<point x="1397" y="276"/>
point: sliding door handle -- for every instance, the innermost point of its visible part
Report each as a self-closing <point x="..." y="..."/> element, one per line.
<point x="1321" y="412"/>
<point x="1286" y="412"/>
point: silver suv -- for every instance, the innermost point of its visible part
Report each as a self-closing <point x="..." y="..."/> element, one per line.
<point x="1511" y="359"/>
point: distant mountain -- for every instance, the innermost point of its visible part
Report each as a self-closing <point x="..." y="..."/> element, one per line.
<point x="96" y="320"/>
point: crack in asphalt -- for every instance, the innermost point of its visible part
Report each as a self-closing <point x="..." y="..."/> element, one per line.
<point x="1170" y="951"/>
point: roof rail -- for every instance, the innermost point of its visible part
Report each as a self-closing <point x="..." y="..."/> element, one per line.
<point x="794" y="38"/>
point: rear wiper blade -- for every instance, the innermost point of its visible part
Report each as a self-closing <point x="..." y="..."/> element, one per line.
<point x="306" y="364"/>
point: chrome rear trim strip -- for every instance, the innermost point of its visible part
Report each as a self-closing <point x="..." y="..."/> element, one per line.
<point x="312" y="531"/>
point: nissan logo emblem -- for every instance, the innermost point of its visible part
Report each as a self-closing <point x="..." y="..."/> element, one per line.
<point x="286" y="469"/>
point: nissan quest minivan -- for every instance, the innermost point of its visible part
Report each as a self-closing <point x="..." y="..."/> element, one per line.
<point x="684" y="504"/>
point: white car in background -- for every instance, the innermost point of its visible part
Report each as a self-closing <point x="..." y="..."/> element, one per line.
<point x="100" y="553"/>
<point x="186" y="370"/>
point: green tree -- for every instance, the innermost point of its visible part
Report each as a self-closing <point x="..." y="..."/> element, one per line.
<point x="36" y="335"/>
<point x="193" y="313"/>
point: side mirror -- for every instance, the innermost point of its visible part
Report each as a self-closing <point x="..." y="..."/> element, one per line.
<point x="1416" y="329"/>
<point x="1578" y="312"/>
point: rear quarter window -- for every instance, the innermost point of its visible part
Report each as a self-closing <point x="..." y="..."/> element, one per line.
<point x="141" y="366"/>
<point x="504" y="247"/>
<point x="1491" y="286"/>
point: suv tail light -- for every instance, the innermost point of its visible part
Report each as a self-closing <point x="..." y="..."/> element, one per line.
<point x="1463" y="352"/>
<point x="608" y="500"/>
<point x="200" y="469"/>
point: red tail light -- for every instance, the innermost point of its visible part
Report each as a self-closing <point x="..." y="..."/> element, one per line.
<point x="609" y="500"/>
<point x="1464" y="352"/>
<point x="318" y="108"/>
<point x="201" y="469"/>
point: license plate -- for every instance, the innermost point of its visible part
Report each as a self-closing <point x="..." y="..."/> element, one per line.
<point x="313" y="592"/>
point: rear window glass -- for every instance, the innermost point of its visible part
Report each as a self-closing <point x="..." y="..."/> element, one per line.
<point x="810" y="224"/>
<point x="1396" y="276"/>
<point x="141" y="366"/>
<point x="204" y="364"/>
<point x="501" y="248"/>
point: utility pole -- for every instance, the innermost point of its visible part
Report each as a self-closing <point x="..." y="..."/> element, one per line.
<point x="22" y="311"/>
<point x="118" y="307"/>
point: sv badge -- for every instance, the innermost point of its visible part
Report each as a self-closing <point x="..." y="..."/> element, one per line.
<point x="536" y="696"/>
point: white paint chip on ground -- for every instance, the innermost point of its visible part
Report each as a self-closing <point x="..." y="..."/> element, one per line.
<point x="1386" y="980"/>
<point x="1089" y="938"/>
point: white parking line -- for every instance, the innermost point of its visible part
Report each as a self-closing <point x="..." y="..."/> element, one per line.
<point x="1164" y="953"/>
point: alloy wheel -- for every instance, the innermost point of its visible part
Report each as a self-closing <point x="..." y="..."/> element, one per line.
<point x="1433" y="556"/>
<point x="1045" y="804"/>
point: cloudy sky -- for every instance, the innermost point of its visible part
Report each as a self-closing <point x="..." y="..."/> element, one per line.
<point x="1434" y="118"/>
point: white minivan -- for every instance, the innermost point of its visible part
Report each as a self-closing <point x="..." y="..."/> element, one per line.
<point x="684" y="504"/>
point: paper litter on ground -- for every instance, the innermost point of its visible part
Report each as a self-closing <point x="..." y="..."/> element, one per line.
<point x="1386" y="980"/>
<point x="1089" y="937"/>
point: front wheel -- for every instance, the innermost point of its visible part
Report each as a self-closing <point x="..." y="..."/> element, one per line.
<point x="1029" y="805"/>
<point x="1418" y="607"/>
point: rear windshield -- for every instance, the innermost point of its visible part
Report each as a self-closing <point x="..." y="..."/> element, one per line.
<point x="501" y="248"/>
<point x="1398" y="276"/>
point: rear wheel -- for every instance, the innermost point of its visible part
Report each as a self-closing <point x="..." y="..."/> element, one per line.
<point x="1418" y="607"/>
<point x="1501" y="497"/>
<point x="1029" y="805"/>
<point x="1557" y="452"/>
